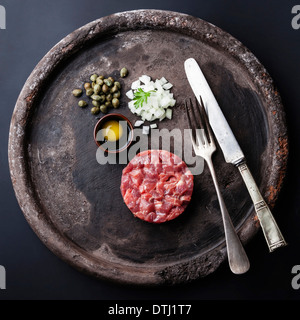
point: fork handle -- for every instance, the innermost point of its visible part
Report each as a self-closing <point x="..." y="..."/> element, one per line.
<point x="237" y="257"/>
<point x="268" y="224"/>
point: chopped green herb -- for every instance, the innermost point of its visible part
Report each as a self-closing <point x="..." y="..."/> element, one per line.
<point x="140" y="96"/>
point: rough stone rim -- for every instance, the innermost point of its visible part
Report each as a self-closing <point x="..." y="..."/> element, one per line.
<point x="119" y="22"/>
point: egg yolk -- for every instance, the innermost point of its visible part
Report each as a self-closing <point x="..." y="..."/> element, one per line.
<point x="112" y="130"/>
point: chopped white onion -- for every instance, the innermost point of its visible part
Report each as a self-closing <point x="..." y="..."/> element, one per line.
<point x="130" y="94"/>
<point x="158" y="103"/>
<point x="146" y="130"/>
<point x="135" y="85"/>
<point x="163" y="80"/>
<point x="153" y="126"/>
<point x="162" y="118"/>
<point x="138" y="123"/>
<point x="169" y="113"/>
<point x="159" y="113"/>
<point x="145" y="79"/>
<point x="167" y="86"/>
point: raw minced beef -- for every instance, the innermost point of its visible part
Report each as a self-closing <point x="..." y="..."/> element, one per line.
<point x="157" y="186"/>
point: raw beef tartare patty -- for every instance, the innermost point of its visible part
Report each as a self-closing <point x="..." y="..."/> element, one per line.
<point x="157" y="186"/>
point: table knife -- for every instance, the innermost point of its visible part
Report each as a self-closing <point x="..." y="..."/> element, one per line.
<point x="232" y="152"/>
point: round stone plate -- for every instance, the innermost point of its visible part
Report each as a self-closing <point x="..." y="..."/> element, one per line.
<point x="74" y="204"/>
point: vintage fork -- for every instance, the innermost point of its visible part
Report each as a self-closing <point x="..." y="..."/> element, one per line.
<point x="204" y="146"/>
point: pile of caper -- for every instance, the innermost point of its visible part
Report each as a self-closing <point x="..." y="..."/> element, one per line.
<point x="104" y="92"/>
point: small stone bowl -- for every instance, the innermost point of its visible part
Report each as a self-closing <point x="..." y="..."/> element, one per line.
<point x="123" y="143"/>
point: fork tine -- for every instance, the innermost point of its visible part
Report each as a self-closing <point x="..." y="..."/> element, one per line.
<point x="188" y="114"/>
<point x="198" y="119"/>
<point x="190" y="122"/>
<point x="202" y="120"/>
<point x="200" y="134"/>
<point x="193" y="114"/>
<point x="205" y="116"/>
<point x="197" y="124"/>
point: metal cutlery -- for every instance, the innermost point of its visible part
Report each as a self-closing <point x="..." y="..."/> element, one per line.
<point x="233" y="153"/>
<point x="204" y="146"/>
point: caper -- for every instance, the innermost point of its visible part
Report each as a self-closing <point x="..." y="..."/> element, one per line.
<point x="104" y="92"/>
<point x="96" y="103"/>
<point x="114" y="89"/>
<point x="115" y="102"/>
<point x="118" y="84"/>
<point x="103" y="108"/>
<point x="97" y="88"/>
<point x="95" y="110"/>
<point x="123" y="72"/>
<point x="117" y="94"/>
<point x="94" y="77"/>
<point x="99" y="81"/>
<point x="89" y="92"/>
<point x="95" y="97"/>
<point x="109" y="97"/>
<point x="77" y="92"/>
<point x="82" y="103"/>
<point x="108" y="104"/>
<point x="87" y="85"/>
<point x="108" y="82"/>
<point x="105" y="88"/>
<point x="103" y="97"/>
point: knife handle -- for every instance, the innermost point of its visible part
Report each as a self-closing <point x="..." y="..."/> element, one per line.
<point x="268" y="224"/>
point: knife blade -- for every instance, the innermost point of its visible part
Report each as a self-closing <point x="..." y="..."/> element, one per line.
<point x="232" y="152"/>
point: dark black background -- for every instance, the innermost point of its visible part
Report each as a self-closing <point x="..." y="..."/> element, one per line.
<point x="33" y="27"/>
